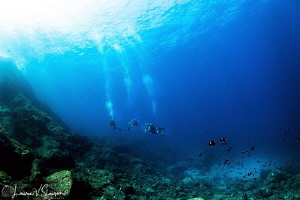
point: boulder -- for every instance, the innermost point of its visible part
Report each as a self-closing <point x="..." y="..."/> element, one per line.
<point x="58" y="184"/>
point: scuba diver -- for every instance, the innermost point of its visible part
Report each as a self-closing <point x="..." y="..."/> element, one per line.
<point x="160" y="130"/>
<point x="150" y="128"/>
<point x="133" y="122"/>
<point x="154" y="130"/>
<point x="113" y="125"/>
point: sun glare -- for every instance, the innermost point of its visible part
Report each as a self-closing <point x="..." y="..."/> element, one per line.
<point x="18" y="14"/>
<point x="69" y="17"/>
<point x="27" y="27"/>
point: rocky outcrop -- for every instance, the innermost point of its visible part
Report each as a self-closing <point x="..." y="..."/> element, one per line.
<point x="15" y="158"/>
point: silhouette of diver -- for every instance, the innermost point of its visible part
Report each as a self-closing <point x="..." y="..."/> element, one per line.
<point x="133" y="122"/>
<point x="113" y="125"/>
<point x="150" y="128"/>
<point x="154" y="130"/>
<point x="160" y="130"/>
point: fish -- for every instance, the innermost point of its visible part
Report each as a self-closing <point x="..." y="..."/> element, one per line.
<point x="212" y="143"/>
<point x="223" y="140"/>
<point x="226" y="162"/>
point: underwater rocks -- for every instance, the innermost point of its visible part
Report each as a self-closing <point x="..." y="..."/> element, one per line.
<point x="57" y="159"/>
<point x="15" y="159"/>
<point x="60" y="182"/>
<point x="187" y="181"/>
<point x="4" y="178"/>
<point x="16" y="92"/>
<point x="277" y="176"/>
<point x="96" y="178"/>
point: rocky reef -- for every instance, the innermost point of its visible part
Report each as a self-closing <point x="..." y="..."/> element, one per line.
<point x="40" y="158"/>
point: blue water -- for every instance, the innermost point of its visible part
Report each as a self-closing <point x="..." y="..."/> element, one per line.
<point x="201" y="69"/>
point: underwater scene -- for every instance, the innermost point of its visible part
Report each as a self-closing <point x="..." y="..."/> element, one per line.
<point x="160" y="99"/>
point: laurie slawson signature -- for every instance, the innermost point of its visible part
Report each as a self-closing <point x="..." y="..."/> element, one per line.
<point x="9" y="191"/>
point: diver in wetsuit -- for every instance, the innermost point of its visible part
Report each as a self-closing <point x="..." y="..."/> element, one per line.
<point x="113" y="125"/>
<point x="150" y="128"/>
<point x="160" y="130"/>
<point x="133" y="122"/>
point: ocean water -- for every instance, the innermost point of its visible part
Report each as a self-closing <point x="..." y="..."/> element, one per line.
<point x="201" y="69"/>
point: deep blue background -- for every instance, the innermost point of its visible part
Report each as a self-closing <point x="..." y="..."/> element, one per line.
<point x="239" y="81"/>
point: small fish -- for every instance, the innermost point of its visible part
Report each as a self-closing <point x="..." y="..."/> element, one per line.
<point x="252" y="148"/>
<point x="212" y="143"/>
<point x="226" y="162"/>
<point x="229" y="149"/>
<point x="223" y="140"/>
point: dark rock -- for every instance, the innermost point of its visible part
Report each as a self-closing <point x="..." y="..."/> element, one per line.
<point x="77" y="144"/>
<point x="129" y="190"/>
<point x="264" y="173"/>
<point x="37" y="171"/>
<point x="4" y="178"/>
<point x="113" y="193"/>
<point x="249" y="185"/>
<point x="58" y="159"/>
<point x="15" y="158"/>
<point x="96" y="178"/>
<point x="277" y="176"/>
<point x="265" y="192"/>
<point x="80" y="190"/>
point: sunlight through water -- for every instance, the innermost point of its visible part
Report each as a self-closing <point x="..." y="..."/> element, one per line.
<point x="35" y="30"/>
